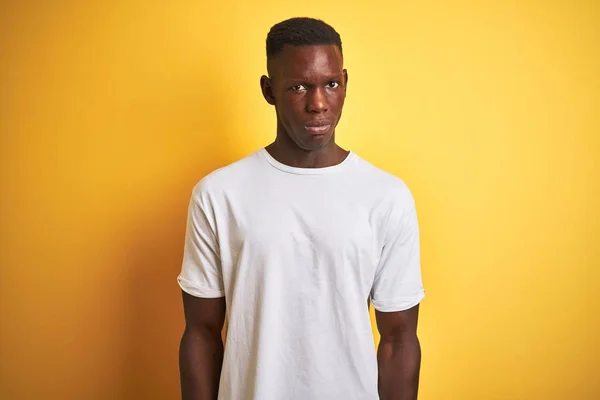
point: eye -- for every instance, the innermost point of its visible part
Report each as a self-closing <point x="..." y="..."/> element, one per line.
<point x="333" y="84"/>
<point x="297" y="88"/>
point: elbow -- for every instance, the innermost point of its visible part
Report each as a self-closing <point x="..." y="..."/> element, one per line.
<point x="194" y="333"/>
<point x="405" y="346"/>
<point x="400" y="337"/>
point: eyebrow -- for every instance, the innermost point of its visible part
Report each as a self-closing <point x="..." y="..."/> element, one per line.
<point x="336" y="77"/>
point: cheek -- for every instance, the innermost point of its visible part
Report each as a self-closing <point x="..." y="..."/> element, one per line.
<point x="286" y="118"/>
<point x="337" y="101"/>
<point x="291" y="109"/>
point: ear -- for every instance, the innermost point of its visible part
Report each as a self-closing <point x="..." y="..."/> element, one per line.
<point x="266" y="86"/>
<point x="346" y="78"/>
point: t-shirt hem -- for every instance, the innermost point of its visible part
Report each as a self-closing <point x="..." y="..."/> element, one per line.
<point x="197" y="291"/>
<point x="401" y="304"/>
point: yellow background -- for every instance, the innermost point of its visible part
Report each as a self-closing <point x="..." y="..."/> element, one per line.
<point x="110" y="112"/>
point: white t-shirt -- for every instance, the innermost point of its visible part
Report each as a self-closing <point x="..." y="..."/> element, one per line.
<point x="298" y="253"/>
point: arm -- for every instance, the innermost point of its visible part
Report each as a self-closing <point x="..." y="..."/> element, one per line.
<point x="201" y="348"/>
<point x="399" y="354"/>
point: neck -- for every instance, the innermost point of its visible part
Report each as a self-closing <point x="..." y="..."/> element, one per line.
<point x="284" y="150"/>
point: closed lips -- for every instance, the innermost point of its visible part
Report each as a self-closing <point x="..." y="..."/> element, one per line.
<point x="313" y="124"/>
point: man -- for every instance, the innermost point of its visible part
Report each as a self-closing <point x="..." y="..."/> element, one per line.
<point x="293" y="242"/>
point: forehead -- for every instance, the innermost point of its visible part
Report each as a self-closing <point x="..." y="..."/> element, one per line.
<point x="307" y="61"/>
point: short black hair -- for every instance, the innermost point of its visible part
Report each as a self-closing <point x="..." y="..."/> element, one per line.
<point x="301" y="31"/>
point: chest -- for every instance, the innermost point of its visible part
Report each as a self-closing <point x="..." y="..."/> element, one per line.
<point x="307" y="226"/>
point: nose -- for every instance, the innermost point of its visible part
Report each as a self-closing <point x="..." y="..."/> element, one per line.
<point x="317" y="101"/>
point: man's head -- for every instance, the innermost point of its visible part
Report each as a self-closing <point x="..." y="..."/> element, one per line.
<point x="307" y="80"/>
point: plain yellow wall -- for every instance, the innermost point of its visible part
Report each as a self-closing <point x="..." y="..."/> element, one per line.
<point x="110" y="113"/>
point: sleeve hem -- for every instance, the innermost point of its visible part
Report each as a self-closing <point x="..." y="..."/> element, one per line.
<point x="192" y="289"/>
<point x="401" y="304"/>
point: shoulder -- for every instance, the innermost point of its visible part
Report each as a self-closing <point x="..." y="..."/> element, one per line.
<point x="226" y="178"/>
<point x="382" y="183"/>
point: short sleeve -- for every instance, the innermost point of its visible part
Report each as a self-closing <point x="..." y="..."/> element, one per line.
<point x="201" y="274"/>
<point x="398" y="285"/>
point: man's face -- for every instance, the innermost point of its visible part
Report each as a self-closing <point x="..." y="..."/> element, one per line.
<point x="307" y="85"/>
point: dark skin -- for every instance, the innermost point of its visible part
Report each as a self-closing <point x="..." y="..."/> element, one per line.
<point x="399" y="354"/>
<point x="201" y="347"/>
<point x="307" y="85"/>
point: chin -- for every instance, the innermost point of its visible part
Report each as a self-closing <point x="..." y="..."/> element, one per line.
<point x="315" y="142"/>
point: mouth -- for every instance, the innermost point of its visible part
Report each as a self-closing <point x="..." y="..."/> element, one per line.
<point x="317" y="127"/>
